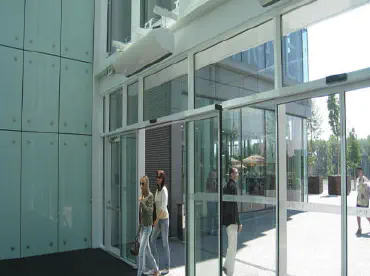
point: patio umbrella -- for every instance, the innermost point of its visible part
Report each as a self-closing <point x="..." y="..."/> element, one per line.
<point x="254" y="160"/>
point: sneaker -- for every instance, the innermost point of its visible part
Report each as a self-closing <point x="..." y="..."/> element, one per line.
<point x="149" y="272"/>
<point x="224" y="270"/>
<point x="359" y="232"/>
<point x="165" y="271"/>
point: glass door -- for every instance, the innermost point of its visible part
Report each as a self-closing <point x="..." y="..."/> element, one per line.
<point x="203" y="189"/>
<point x="113" y="202"/>
<point x="121" y="200"/>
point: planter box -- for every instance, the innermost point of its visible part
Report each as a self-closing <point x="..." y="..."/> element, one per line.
<point x="334" y="185"/>
<point x="315" y="185"/>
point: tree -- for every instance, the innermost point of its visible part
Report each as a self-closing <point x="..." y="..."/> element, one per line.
<point x="334" y="115"/>
<point x="313" y="124"/>
<point x="321" y="164"/>
<point x="353" y="152"/>
<point x="333" y="155"/>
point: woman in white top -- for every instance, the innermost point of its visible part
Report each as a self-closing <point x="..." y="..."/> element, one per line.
<point x="161" y="224"/>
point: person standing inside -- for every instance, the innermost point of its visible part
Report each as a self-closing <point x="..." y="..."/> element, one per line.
<point x="363" y="195"/>
<point x="230" y="219"/>
<point x="146" y="201"/>
<point x="161" y="224"/>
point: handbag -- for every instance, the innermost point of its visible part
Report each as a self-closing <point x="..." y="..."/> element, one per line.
<point x="135" y="246"/>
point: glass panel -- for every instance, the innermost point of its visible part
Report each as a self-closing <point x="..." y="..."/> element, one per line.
<point x="115" y="197"/>
<point x="204" y="196"/>
<point x="12" y="23"/>
<point x="10" y="191"/>
<point x="247" y="69"/>
<point x="148" y="14"/>
<point x="358" y="152"/>
<point x="115" y="110"/>
<point x="39" y="194"/>
<point x="78" y="29"/>
<point x="75" y="97"/>
<point x="132" y="103"/>
<point x="119" y="23"/>
<point x="41" y="92"/>
<point x="313" y="186"/>
<point x="249" y="145"/>
<point x="129" y="182"/>
<point x="11" y="67"/>
<point x="74" y="192"/>
<point x="166" y="92"/>
<point x="164" y="150"/>
<point x="312" y="45"/>
<point x="42" y="26"/>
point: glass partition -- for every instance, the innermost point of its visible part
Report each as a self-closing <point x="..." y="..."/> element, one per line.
<point x="132" y="103"/>
<point x="318" y="35"/>
<point x="115" y="110"/>
<point x="166" y="92"/>
<point x="249" y="146"/>
<point x="313" y="186"/>
<point x="358" y="173"/>
<point x="238" y="67"/>
<point x="129" y="196"/>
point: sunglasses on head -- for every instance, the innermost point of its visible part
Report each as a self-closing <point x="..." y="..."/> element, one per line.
<point x="141" y="183"/>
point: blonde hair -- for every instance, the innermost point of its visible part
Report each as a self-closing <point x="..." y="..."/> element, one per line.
<point x="145" y="192"/>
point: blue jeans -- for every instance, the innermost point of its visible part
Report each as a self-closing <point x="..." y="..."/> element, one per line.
<point x="161" y="227"/>
<point x="145" y="252"/>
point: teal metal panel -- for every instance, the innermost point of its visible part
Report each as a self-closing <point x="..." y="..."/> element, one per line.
<point x="10" y="185"/>
<point x="39" y="194"/>
<point x="12" y="23"/>
<point x="74" y="192"/>
<point x="41" y="92"/>
<point x="78" y="29"/>
<point x="11" y="64"/>
<point x="75" y="97"/>
<point x="42" y="28"/>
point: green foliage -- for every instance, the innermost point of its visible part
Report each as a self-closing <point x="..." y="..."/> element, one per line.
<point x="333" y="156"/>
<point x="334" y="115"/>
<point x="353" y="151"/>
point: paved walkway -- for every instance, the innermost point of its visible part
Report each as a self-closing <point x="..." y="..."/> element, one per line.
<point x="313" y="245"/>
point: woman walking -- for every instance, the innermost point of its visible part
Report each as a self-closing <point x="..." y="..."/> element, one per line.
<point x="161" y="224"/>
<point x="146" y="201"/>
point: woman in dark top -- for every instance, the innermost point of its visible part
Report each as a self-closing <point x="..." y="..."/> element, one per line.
<point x="146" y="201"/>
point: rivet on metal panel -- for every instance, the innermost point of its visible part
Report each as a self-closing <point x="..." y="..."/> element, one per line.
<point x="66" y="67"/>
<point x="53" y="45"/>
<point x="31" y="41"/>
<point x="66" y="49"/>
<point x="15" y="59"/>
<point x="12" y="248"/>
<point x="52" y="123"/>
<point x="16" y="38"/>
<point x="30" y="62"/>
<point x="13" y="141"/>
<point x="65" y="143"/>
<point x="65" y="124"/>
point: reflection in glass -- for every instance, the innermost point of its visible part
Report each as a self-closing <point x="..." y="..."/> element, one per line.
<point x="132" y="103"/>
<point x="164" y="99"/>
<point x="249" y="142"/>
<point x="243" y="74"/>
<point x="129" y="184"/>
<point x="115" y="110"/>
<point x="318" y="34"/>
<point x="357" y="153"/>
<point x="114" y="204"/>
<point x="313" y="186"/>
<point x="206" y="197"/>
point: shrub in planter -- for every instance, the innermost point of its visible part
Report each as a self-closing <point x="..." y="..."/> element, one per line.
<point x="334" y="185"/>
<point x="315" y="185"/>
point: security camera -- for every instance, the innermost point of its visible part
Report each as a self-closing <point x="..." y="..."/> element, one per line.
<point x="266" y="3"/>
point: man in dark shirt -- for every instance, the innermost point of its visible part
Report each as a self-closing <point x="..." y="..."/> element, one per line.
<point x="230" y="218"/>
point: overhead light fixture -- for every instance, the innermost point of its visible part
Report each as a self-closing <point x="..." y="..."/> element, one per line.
<point x="266" y="3"/>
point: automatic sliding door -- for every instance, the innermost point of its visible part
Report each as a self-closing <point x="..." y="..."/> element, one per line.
<point x="310" y="194"/>
<point x="203" y="197"/>
<point x="249" y="146"/>
<point x="129" y="186"/>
